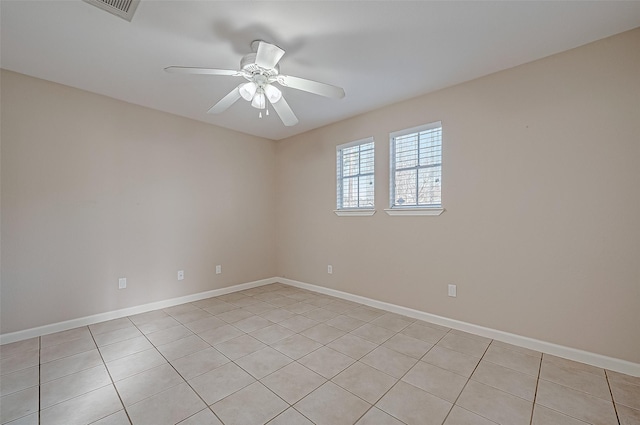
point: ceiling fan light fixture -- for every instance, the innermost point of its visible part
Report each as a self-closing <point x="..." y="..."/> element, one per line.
<point x="259" y="101"/>
<point x="273" y="93"/>
<point x="248" y="90"/>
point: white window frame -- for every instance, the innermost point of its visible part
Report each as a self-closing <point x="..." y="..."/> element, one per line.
<point x="352" y="211"/>
<point x="428" y="210"/>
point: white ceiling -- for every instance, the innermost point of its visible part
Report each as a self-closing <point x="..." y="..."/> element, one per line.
<point x="379" y="52"/>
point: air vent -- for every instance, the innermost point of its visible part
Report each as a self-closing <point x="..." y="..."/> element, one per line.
<point x="122" y="8"/>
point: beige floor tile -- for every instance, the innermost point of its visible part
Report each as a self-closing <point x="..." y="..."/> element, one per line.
<point x="321" y="314"/>
<point x="373" y="333"/>
<point x="345" y="323"/>
<point x="124" y="348"/>
<point x="453" y="361"/>
<point x="293" y="382"/>
<point x="24" y="360"/>
<point x="299" y="308"/>
<point x="505" y="379"/>
<point x="118" y="335"/>
<point x="110" y="325"/>
<point x="203" y="417"/>
<point x="259" y="307"/>
<point x="296" y="346"/>
<point x="239" y="346"/>
<point x="180" y="308"/>
<point x="31" y="419"/>
<point x="166" y="408"/>
<point x="220" y="382"/>
<point x="263" y="362"/>
<point x="566" y="363"/>
<point x="627" y="415"/>
<point x="168" y="335"/>
<point x="621" y="377"/>
<point x="18" y="404"/>
<point x="65" y="349"/>
<point x="408" y="345"/>
<point x="376" y="416"/>
<point x="219" y="308"/>
<point x="19" y="347"/>
<point x="493" y="404"/>
<point x="391" y="321"/>
<point x="221" y="334"/>
<point x="118" y="418"/>
<point x="205" y="325"/>
<point x="68" y="365"/>
<point x="280" y="301"/>
<point x="199" y="362"/>
<point x="522" y="350"/>
<point x="323" y="333"/>
<point x="365" y="314"/>
<point x="389" y="361"/>
<point x="84" y="409"/>
<point x="298" y="323"/>
<point x="182" y="347"/>
<point x="364" y="381"/>
<point x="513" y="360"/>
<point x="146" y="384"/>
<point x="460" y="416"/>
<point x="157" y="324"/>
<point x="332" y="405"/>
<point x="434" y="380"/>
<point x="70" y="386"/>
<point x="471" y="336"/>
<point x="470" y="346"/>
<point x="20" y="380"/>
<point x="424" y="333"/>
<point x="252" y="323"/>
<point x="545" y="416"/>
<point x="253" y="404"/>
<point x="414" y="406"/>
<point x="577" y="379"/>
<point x="233" y="316"/>
<point x="276" y="315"/>
<point x="290" y="417"/>
<point x="353" y="346"/>
<point x="326" y="362"/>
<point x="575" y="403"/>
<point x="135" y="363"/>
<point x="149" y="316"/>
<point x="192" y="316"/>
<point x="626" y="394"/>
<point x="64" y="336"/>
<point x="272" y="334"/>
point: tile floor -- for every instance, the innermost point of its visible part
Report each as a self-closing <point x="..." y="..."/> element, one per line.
<point x="285" y="356"/>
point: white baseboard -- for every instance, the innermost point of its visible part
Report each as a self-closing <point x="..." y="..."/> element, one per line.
<point x="598" y="360"/>
<point x="117" y="314"/>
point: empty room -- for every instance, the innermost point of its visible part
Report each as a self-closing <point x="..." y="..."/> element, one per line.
<point x="319" y="212"/>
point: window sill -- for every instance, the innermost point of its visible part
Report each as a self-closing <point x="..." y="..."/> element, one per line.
<point x="414" y="211"/>
<point x="354" y="212"/>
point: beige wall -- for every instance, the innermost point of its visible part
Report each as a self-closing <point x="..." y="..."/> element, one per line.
<point x="94" y="189"/>
<point x="541" y="186"/>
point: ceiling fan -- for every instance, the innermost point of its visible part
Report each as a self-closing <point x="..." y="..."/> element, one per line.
<point x="260" y="68"/>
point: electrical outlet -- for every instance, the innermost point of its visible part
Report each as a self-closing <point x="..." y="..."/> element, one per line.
<point x="122" y="283"/>
<point x="330" y="269"/>
<point x="452" y="291"/>
<point x="218" y="269"/>
<point x="180" y="274"/>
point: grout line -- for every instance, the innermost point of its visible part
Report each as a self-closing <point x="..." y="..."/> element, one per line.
<point x="535" y="393"/>
<point x="615" y="408"/>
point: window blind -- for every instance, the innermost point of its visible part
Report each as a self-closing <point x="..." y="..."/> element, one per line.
<point x="355" y="175"/>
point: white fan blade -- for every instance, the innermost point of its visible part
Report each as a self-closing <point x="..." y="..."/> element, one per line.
<point x="268" y="55"/>
<point x="311" y="86"/>
<point x="205" y="71"/>
<point x="285" y="113"/>
<point x="225" y="102"/>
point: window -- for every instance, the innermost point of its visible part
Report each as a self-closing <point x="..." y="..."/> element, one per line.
<point x="355" y="179"/>
<point x="416" y="170"/>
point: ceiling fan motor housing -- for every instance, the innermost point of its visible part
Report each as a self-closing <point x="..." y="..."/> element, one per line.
<point x="248" y="64"/>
